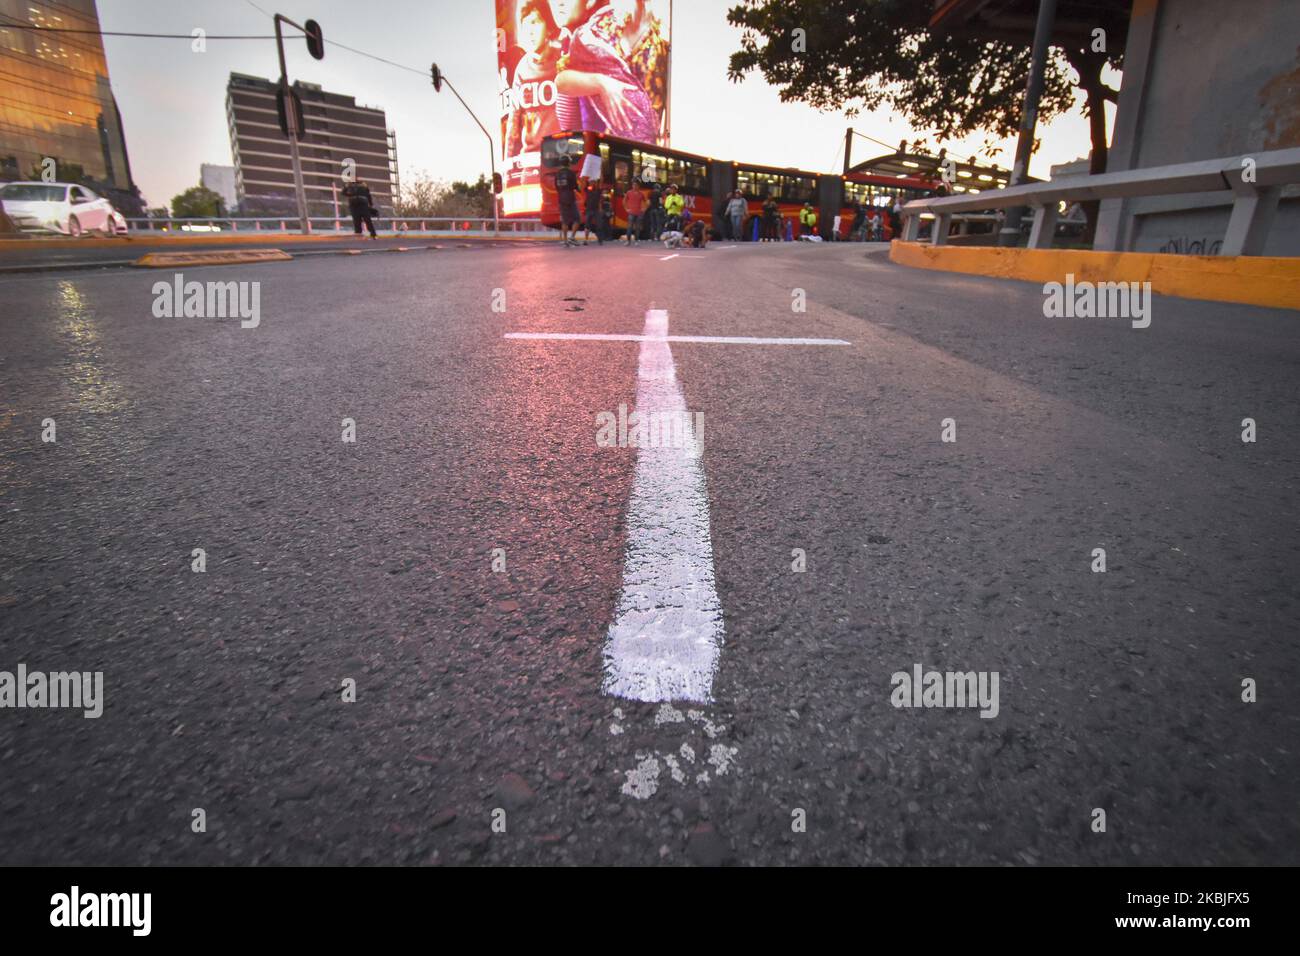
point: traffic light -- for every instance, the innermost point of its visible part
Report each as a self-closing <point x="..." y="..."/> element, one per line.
<point x="315" y="39"/>
<point x="496" y="184"/>
<point x="436" y="74"/>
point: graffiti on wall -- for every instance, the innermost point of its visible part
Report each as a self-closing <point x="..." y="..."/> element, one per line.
<point x="1187" y="246"/>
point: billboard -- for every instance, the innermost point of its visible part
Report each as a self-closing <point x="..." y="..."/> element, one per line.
<point x="595" y="65"/>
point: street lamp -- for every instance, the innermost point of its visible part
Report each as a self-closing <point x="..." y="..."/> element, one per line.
<point x="292" y="120"/>
<point x="439" y="79"/>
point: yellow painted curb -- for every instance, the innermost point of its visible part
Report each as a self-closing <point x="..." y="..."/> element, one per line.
<point x="172" y="260"/>
<point x="1249" y="280"/>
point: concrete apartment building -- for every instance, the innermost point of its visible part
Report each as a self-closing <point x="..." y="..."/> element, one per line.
<point x="338" y="131"/>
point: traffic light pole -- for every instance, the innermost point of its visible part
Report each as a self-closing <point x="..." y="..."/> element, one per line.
<point x="291" y="118"/>
<point x="492" y="156"/>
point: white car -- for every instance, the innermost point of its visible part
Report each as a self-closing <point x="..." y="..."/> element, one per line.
<point x="63" y="208"/>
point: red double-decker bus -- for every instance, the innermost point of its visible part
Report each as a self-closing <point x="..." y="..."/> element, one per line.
<point x="706" y="184"/>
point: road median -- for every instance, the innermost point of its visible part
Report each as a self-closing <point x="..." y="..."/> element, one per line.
<point x="230" y="257"/>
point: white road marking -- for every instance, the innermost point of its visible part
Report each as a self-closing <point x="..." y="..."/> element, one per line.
<point x="704" y="339"/>
<point x="667" y="632"/>
<point x="666" y="258"/>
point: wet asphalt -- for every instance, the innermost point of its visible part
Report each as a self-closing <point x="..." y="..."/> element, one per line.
<point x="478" y="704"/>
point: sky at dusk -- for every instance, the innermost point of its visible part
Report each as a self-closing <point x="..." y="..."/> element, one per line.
<point x="173" y="99"/>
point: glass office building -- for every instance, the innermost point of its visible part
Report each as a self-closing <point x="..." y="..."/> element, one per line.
<point x="56" y="100"/>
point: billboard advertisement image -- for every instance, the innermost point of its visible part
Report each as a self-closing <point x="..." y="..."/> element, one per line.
<point x="568" y="65"/>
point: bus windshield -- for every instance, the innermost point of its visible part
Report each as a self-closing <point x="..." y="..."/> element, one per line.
<point x="553" y="149"/>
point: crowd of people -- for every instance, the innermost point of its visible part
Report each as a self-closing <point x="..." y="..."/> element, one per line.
<point x="663" y="214"/>
<point x="660" y="214"/>
<point x="869" y="222"/>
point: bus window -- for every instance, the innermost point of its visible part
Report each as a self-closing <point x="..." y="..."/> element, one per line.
<point x="856" y="192"/>
<point x="697" y="177"/>
<point x="648" y="167"/>
<point x="800" y="189"/>
<point x="758" y="185"/>
<point x="622" y="171"/>
<point x="674" y="173"/>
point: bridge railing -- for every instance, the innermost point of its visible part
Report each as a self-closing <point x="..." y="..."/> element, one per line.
<point x="1255" y="182"/>
<point x="342" y="225"/>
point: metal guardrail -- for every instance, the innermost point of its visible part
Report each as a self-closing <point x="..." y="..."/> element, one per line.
<point x="329" y="225"/>
<point x="1255" y="181"/>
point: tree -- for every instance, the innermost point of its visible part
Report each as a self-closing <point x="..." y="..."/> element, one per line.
<point x="868" y="54"/>
<point x="478" y="196"/>
<point x="197" y="202"/>
<point x="432" y="199"/>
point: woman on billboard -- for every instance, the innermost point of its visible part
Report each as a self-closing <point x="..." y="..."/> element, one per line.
<point x="617" y="66"/>
<point x="569" y="15"/>
<point x="533" y="92"/>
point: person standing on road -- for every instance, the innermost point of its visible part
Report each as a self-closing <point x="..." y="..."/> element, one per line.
<point x="566" y="191"/>
<point x="807" y="220"/>
<point x="591" y="209"/>
<point x="735" y="214"/>
<point x="771" y="220"/>
<point x="859" y="221"/>
<point x="634" y="204"/>
<point x="655" y="212"/>
<point x="361" y="206"/>
<point x="674" y="203"/>
<point x="606" y="214"/>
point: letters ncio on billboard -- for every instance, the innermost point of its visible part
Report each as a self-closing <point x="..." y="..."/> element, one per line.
<point x="573" y="65"/>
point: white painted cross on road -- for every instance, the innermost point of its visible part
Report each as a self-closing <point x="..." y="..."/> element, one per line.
<point x="667" y="631"/>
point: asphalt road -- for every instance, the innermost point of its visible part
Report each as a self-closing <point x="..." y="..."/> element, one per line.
<point x="480" y="691"/>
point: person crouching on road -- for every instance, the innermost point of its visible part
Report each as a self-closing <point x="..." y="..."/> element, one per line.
<point x="696" y="235"/>
<point x="361" y="206"/>
<point x="634" y="204"/>
<point x="566" y="191"/>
